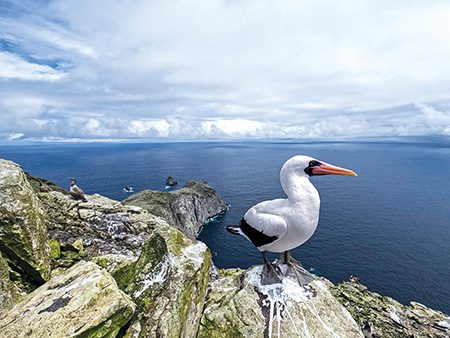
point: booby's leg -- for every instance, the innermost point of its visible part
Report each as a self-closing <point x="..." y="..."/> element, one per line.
<point x="271" y="273"/>
<point x="296" y="270"/>
<point x="287" y="259"/>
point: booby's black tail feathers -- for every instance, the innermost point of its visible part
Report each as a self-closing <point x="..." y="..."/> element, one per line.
<point x="233" y="229"/>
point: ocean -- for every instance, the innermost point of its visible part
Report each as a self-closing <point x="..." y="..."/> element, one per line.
<point x="390" y="225"/>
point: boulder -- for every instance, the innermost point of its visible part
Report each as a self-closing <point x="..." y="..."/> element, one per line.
<point x="168" y="283"/>
<point x="23" y="231"/>
<point x="82" y="302"/>
<point x="239" y="306"/>
<point x="387" y="317"/>
<point x="188" y="208"/>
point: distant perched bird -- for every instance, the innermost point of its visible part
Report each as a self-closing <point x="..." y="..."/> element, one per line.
<point x="281" y="225"/>
<point x="354" y="279"/>
<point x="75" y="191"/>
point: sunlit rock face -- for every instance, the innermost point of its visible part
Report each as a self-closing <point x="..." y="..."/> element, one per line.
<point x="187" y="209"/>
<point x="169" y="284"/>
<point x="23" y="231"/>
<point x="239" y="306"/>
<point x="387" y="317"/>
<point x="84" y="301"/>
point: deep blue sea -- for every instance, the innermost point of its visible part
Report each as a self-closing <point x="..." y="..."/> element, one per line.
<point x="390" y="225"/>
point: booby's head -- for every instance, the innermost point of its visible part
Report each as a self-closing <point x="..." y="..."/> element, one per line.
<point x="307" y="166"/>
<point x="72" y="181"/>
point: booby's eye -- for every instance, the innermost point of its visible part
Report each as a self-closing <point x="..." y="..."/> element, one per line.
<point x="314" y="163"/>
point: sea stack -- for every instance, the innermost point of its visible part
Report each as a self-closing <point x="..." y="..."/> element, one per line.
<point x="170" y="181"/>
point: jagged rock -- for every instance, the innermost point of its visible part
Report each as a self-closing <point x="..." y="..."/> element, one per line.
<point x="168" y="283"/>
<point x="23" y="232"/>
<point x="170" y="181"/>
<point x="187" y="209"/>
<point x="115" y="264"/>
<point x="82" y="302"/>
<point x="42" y="185"/>
<point x="9" y="294"/>
<point x="98" y="227"/>
<point x="239" y="306"/>
<point x="388" y="317"/>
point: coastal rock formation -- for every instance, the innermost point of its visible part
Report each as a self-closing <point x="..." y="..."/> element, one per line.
<point x="98" y="227"/>
<point x="239" y="306"/>
<point x="169" y="283"/>
<point x="389" y="318"/>
<point x="23" y="231"/>
<point x="121" y="271"/>
<point x="187" y="208"/>
<point x="82" y="302"/>
<point x="170" y="181"/>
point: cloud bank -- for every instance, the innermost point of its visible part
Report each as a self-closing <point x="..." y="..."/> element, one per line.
<point x="223" y="69"/>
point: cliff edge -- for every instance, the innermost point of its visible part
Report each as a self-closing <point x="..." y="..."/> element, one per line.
<point x="103" y="268"/>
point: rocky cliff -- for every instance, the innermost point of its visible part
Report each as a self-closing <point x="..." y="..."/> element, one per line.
<point x="110" y="269"/>
<point x="187" y="208"/>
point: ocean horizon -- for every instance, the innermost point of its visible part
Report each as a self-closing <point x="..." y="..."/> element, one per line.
<point x="389" y="226"/>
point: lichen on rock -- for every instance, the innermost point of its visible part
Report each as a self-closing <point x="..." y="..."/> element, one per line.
<point x="23" y="231"/>
<point x="168" y="284"/>
<point x="239" y="306"/>
<point x="82" y="302"/>
<point x="386" y="316"/>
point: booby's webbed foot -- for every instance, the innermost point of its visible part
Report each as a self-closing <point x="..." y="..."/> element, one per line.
<point x="270" y="274"/>
<point x="302" y="276"/>
<point x="295" y="270"/>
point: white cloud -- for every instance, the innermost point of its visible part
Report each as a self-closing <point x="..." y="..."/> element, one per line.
<point x="14" y="67"/>
<point x="201" y="69"/>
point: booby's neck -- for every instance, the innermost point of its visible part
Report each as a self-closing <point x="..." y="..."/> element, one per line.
<point x="298" y="188"/>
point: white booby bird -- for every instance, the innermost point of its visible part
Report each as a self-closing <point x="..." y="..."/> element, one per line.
<point x="76" y="191"/>
<point x="281" y="225"/>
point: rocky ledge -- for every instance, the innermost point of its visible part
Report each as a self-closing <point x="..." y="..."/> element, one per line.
<point x="110" y="269"/>
<point x="187" y="208"/>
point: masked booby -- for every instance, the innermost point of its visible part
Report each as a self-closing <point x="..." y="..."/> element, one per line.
<point x="281" y="225"/>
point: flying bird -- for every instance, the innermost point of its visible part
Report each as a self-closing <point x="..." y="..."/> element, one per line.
<point x="281" y="225"/>
<point x="76" y="191"/>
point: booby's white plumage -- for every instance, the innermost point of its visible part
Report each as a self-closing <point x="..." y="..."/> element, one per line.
<point x="281" y="225"/>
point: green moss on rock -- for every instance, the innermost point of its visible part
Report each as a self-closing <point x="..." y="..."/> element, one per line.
<point x="55" y="248"/>
<point x="23" y="231"/>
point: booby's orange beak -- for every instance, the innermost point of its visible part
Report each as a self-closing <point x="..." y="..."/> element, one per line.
<point x="328" y="169"/>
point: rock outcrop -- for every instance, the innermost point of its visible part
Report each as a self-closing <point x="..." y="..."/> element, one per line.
<point x="239" y="306"/>
<point x="187" y="208"/>
<point x="388" y="318"/>
<point x="129" y="270"/>
<point x="170" y="181"/>
<point x="23" y="231"/>
<point x="82" y="302"/>
<point x="169" y="283"/>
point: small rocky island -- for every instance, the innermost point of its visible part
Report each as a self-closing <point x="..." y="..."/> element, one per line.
<point x="105" y="268"/>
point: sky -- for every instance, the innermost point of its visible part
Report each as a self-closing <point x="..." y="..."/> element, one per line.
<point x="125" y="70"/>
